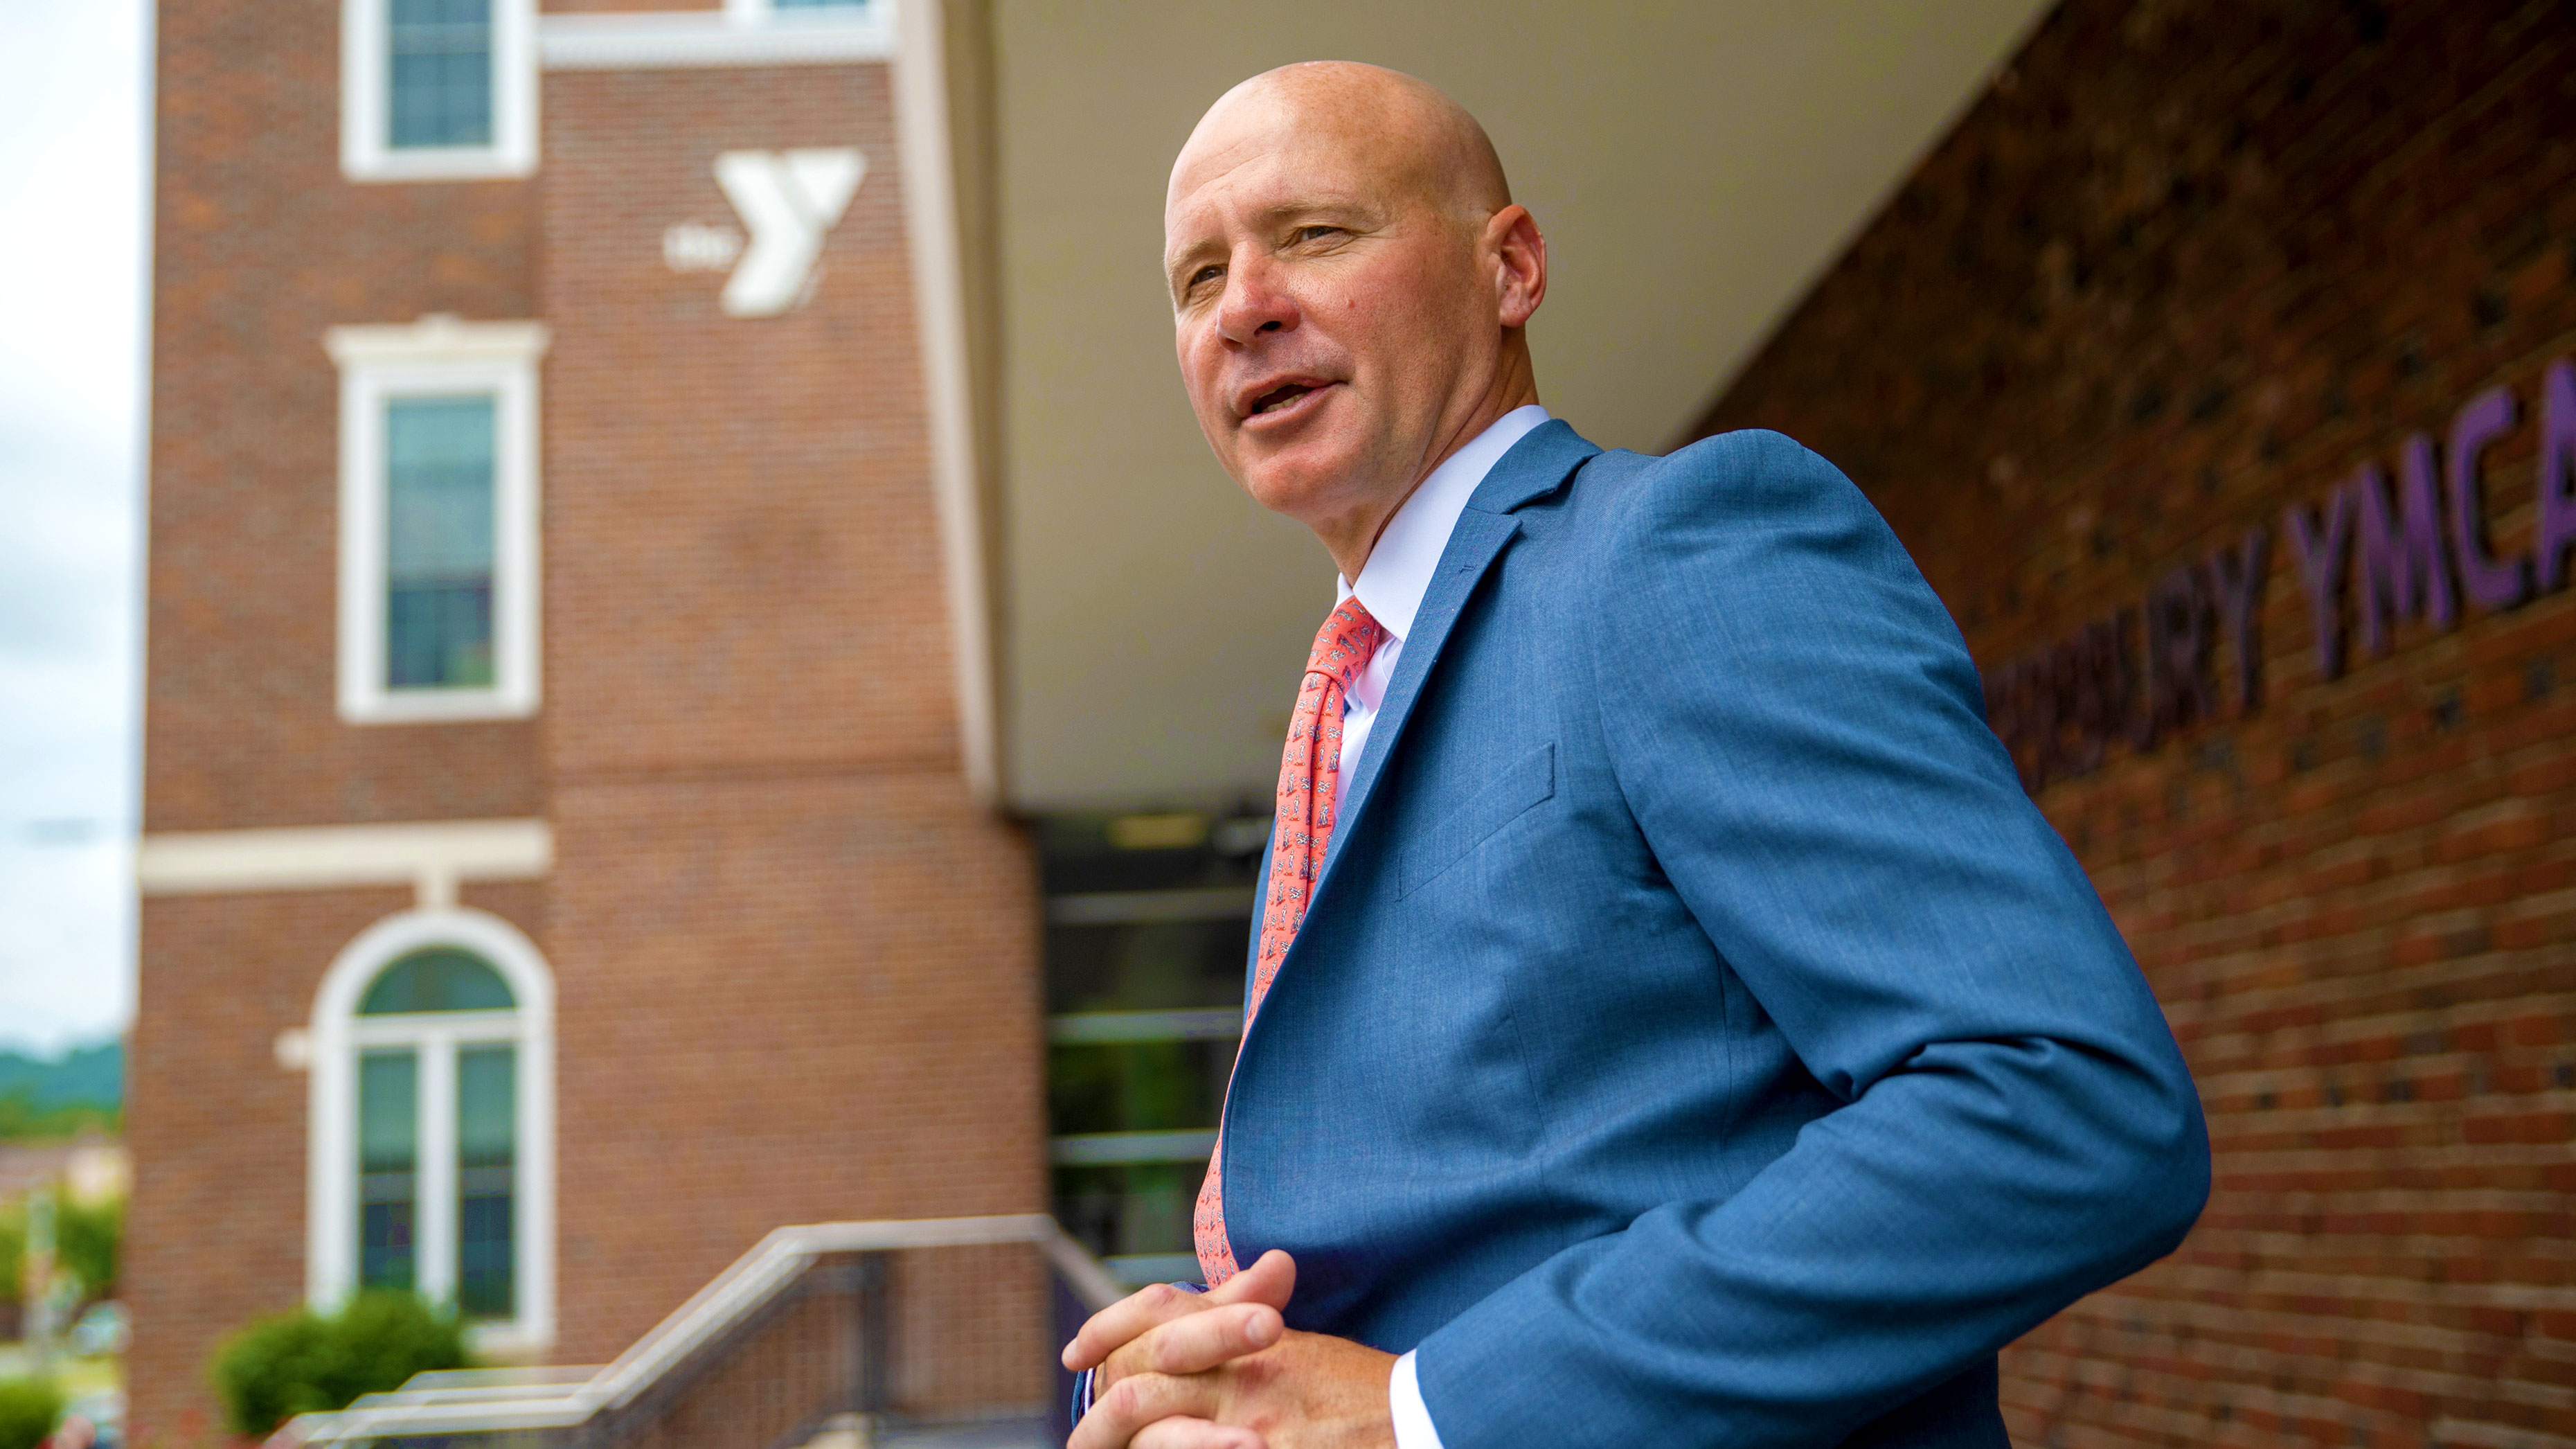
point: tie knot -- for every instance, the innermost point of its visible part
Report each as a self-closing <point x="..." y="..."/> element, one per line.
<point x="1344" y="644"/>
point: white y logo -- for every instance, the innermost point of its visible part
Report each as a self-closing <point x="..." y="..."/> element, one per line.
<point x="789" y="200"/>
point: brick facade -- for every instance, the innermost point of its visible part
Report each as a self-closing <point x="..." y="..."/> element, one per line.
<point x="258" y="246"/>
<point x="795" y="963"/>
<point x="2185" y="269"/>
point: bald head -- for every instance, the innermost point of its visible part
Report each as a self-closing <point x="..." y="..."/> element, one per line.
<point x="1350" y="282"/>
<point x="1407" y="130"/>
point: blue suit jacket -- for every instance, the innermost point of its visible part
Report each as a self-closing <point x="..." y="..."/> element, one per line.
<point x="1696" y="1036"/>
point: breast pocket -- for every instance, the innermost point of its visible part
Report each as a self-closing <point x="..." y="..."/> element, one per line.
<point x="1526" y="784"/>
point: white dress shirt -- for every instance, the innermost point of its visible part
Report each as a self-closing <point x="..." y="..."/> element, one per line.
<point x="1390" y="587"/>
<point x="1399" y="568"/>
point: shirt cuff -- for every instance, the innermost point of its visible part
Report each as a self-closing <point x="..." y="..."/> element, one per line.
<point x="1081" y="1404"/>
<point x="1413" y="1429"/>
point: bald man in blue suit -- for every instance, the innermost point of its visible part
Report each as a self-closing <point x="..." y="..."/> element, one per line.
<point x="1693" y="1035"/>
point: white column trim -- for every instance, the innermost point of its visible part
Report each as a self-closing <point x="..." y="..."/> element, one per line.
<point x="938" y="274"/>
<point x="434" y="1171"/>
<point x="432" y="857"/>
<point x="737" y="35"/>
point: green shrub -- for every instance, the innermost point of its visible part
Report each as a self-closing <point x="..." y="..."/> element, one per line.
<point x="86" y="1240"/>
<point x="13" y="1252"/>
<point x="28" y="1411"/>
<point x="305" y="1362"/>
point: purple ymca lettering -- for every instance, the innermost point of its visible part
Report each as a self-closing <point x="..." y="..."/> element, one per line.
<point x="2402" y="568"/>
<point x="2180" y="611"/>
<point x="2321" y="552"/>
<point x="2493" y="583"/>
<point x="2418" y="552"/>
<point x="2239" y="575"/>
<point x="2557" y="472"/>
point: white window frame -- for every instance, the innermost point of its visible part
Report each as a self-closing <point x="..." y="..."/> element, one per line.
<point x="438" y="356"/>
<point x="761" y="12"/>
<point x="339" y="1034"/>
<point x="367" y="152"/>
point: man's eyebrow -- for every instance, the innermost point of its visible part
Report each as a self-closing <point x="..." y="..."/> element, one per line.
<point x="1345" y="207"/>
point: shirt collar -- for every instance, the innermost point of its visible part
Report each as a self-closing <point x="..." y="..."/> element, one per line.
<point x="1399" y="568"/>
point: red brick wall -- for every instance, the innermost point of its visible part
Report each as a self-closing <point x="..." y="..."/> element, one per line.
<point x="2190" y="263"/>
<point x="259" y="246"/>
<point x="797" y="964"/>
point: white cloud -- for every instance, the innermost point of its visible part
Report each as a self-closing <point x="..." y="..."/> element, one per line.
<point x="73" y="182"/>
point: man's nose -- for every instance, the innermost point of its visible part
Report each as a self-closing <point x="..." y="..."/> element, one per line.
<point x="1254" y="304"/>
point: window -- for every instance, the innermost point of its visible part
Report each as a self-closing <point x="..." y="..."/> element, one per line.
<point x="432" y="1123"/>
<point x="1149" y="919"/>
<point x="438" y="520"/>
<point x="437" y="89"/>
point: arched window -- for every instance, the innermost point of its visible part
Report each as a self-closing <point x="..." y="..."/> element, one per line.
<point x="433" y="1123"/>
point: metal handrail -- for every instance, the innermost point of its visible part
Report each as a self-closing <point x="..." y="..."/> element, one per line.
<point x="472" y="1401"/>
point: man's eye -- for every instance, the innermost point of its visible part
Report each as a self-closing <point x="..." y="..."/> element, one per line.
<point x="1204" y="275"/>
<point x="1317" y="233"/>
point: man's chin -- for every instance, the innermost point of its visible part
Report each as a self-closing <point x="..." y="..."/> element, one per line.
<point x="1302" y="483"/>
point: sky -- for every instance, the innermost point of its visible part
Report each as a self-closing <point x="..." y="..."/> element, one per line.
<point x="74" y="178"/>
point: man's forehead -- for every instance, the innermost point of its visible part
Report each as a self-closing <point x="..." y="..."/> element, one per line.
<point x="1256" y="172"/>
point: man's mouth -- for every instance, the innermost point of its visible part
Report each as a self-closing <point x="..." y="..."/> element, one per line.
<point x="1280" y="397"/>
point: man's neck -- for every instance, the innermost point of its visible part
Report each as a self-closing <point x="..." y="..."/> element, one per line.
<point x="1351" y="548"/>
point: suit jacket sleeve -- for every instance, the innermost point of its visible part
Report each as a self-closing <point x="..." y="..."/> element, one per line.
<point x="1798" y="732"/>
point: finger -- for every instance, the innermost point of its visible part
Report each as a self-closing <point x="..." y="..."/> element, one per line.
<point x="1194" y="1434"/>
<point x="1271" y="1280"/>
<point x="1121" y="1322"/>
<point x="1124" y="1409"/>
<point x="1201" y="1341"/>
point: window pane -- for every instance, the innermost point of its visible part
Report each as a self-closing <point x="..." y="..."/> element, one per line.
<point x="487" y="1166"/>
<point x="1141" y="1207"/>
<point x="1147" y="965"/>
<point x="440" y="978"/>
<point x="438" y="542"/>
<point x="1143" y="1086"/>
<point x="442" y="72"/>
<point x="388" y="1168"/>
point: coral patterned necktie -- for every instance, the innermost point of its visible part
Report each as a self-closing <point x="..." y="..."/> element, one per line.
<point x="1309" y="780"/>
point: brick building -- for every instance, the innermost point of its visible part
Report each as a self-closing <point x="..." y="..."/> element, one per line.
<point x="562" y="866"/>
<point x="701" y="677"/>
<point x="2180" y="365"/>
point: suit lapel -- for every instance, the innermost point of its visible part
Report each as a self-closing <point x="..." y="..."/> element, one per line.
<point x="1534" y="468"/>
<point x="1477" y="541"/>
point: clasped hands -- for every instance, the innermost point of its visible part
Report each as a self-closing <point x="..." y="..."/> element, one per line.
<point x="1222" y="1370"/>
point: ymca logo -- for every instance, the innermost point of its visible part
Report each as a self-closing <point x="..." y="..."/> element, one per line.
<point x="789" y="201"/>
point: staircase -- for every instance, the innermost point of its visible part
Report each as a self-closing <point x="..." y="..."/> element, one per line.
<point x="801" y="1344"/>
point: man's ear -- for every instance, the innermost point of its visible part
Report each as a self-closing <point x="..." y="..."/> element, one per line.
<point x="1512" y="239"/>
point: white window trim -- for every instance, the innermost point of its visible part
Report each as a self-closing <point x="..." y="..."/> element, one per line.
<point x="435" y="355"/>
<point x="338" y="1034"/>
<point x="744" y="32"/>
<point x="366" y="149"/>
<point x="757" y="12"/>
